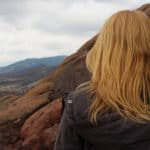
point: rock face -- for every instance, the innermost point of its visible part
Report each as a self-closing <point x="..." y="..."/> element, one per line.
<point x="42" y="126"/>
<point x="20" y="116"/>
<point x="30" y="122"/>
<point x="39" y="132"/>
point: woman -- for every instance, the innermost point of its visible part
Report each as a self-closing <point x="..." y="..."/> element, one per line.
<point x="112" y="111"/>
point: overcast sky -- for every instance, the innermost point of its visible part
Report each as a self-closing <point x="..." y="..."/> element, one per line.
<point x="43" y="28"/>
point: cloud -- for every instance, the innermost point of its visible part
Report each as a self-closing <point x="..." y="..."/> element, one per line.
<point x="12" y="10"/>
<point x="41" y="28"/>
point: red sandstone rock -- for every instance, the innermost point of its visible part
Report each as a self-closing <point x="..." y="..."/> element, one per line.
<point x="40" y="129"/>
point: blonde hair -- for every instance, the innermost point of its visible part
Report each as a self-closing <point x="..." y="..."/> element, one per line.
<point x="120" y="66"/>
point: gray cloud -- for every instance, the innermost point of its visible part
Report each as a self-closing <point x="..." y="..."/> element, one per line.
<point x="39" y="28"/>
<point x="12" y="10"/>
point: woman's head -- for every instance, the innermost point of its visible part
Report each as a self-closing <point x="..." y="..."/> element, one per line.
<point x="120" y="64"/>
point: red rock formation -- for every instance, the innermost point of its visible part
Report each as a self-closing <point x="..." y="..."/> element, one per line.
<point x="42" y="127"/>
<point x="65" y="78"/>
<point x="34" y="114"/>
<point x="36" y="132"/>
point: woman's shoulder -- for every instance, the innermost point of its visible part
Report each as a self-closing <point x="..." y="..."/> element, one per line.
<point x="83" y="86"/>
<point x="81" y="93"/>
<point x="79" y="100"/>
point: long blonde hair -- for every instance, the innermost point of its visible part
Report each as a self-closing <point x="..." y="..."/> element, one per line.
<point x="120" y="66"/>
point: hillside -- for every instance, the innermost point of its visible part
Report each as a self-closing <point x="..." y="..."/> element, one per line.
<point x="30" y="63"/>
<point x="30" y="122"/>
<point x="22" y="75"/>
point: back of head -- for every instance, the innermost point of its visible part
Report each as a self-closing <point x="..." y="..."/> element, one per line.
<point x="119" y="63"/>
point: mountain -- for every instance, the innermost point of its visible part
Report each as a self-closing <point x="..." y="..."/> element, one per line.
<point x="30" y="63"/>
<point x="20" y="76"/>
<point x="30" y="122"/>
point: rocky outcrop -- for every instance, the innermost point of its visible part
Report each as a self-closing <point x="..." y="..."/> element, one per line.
<point x="37" y="130"/>
<point x="16" y="115"/>
<point x="42" y="127"/>
<point x="30" y="122"/>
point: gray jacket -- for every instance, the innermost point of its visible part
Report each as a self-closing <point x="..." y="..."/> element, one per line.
<point x="111" y="133"/>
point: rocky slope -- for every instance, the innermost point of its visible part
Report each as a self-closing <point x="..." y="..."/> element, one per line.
<point x="18" y="115"/>
<point x="30" y="122"/>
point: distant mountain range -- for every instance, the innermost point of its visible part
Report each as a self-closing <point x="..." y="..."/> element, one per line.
<point x="18" y="77"/>
<point x="32" y="62"/>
